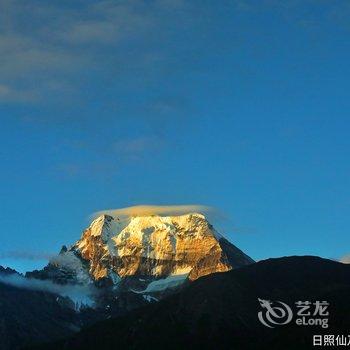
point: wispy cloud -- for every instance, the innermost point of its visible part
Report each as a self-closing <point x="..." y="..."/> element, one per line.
<point x="162" y="210"/>
<point x="9" y="94"/>
<point x="136" y="148"/>
<point x="215" y="216"/>
<point x="25" y="255"/>
<point x="65" y="41"/>
<point x="122" y="151"/>
<point x="77" y="293"/>
<point x="61" y="41"/>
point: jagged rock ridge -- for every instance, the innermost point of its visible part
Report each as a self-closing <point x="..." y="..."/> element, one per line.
<point x="154" y="246"/>
<point x="144" y="254"/>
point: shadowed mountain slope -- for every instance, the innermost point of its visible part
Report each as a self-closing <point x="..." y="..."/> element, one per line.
<point x="220" y="310"/>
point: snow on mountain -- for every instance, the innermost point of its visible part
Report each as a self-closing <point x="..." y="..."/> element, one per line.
<point x="70" y="261"/>
<point x="156" y="246"/>
<point x="164" y="283"/>
<point x="144" y="254"/>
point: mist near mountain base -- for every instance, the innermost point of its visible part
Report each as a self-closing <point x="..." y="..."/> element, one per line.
<point x="81" y="295"/>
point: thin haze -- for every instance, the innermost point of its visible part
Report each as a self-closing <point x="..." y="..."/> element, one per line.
<point x="78" y="294"/>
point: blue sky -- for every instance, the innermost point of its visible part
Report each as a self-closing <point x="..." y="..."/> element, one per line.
<point x="239" y="105"/>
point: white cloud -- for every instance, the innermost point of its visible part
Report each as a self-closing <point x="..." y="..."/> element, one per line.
<point x="162" y="210"/>
<point x="77" y="293"/>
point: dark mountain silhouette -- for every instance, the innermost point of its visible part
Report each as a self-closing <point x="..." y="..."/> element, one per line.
<point x="219" y="311"/>
<point x="29" y="316"/>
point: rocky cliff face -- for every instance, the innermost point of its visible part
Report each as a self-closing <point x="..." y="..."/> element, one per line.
<point x="154" y="246"/>
<point x="220" y="311"/>
<point x="144" y="254"/>
<point x="117" y="265"/>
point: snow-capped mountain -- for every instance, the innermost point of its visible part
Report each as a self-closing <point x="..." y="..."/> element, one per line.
<point x="144" y="254"/>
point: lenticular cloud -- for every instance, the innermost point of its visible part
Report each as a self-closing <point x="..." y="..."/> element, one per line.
<point x="165" y="210"/>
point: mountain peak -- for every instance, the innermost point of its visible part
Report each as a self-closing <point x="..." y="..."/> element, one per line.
<point x="155" y="246"/>
<point x="146" y="253"/>
<point x="100" y="224"/>
<point x="7" y="271"/>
